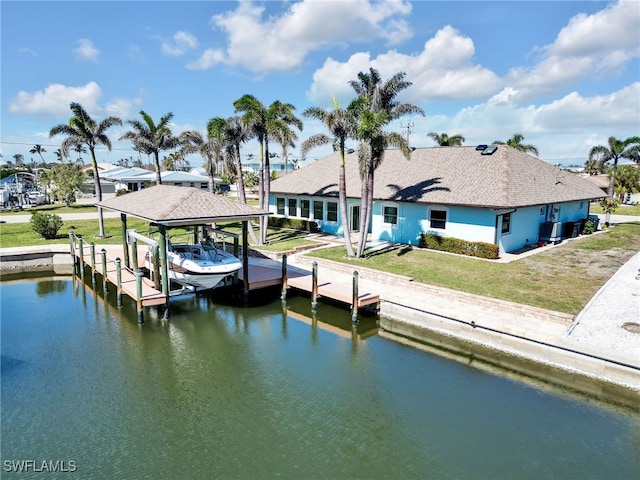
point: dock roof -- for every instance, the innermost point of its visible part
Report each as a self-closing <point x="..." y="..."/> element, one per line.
<point x="176" y="206"/>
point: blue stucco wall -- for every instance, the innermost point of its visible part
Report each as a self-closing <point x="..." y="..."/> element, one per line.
<point x="473" y="224"/>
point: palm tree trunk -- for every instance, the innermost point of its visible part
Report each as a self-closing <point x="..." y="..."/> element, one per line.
<point x="612" y="175"/>
<point x="156" y="157"/>
<point x="266" y="191"/>
<point x="362" y="237"/>
<point x="240" y="178"/>
<point x="98" y="188"/>
<point x="342" y="197"/>
<point x="261" y="186"/>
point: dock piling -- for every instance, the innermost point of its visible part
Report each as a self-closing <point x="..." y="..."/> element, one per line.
<point x="119" y="281"/>
<point x="92" y="253"/>
<point x="355" y="301"/>
<point x="314" y="286"/>
<point x="105" y="289"/>
<point x="283" y="295"/>
<point x="81" y="250"/>
<point x="139" y="306"/>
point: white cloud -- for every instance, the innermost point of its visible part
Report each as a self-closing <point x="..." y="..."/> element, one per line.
<point x="182" y="42"/>
<point x="281" y="43"/>
<point x="590" y="45"/>
<point x="443" y="70"/>
<point x="55" y="99"/>
<point x="209" y="58"/>
<point x="122" y="107"/>
<point x="28" y="51"/>
<point x="86" y="50"/>
<point x="135" y="53"/>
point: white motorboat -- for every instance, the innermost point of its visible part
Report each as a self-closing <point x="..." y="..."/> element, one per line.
<point x="200" y="266"/>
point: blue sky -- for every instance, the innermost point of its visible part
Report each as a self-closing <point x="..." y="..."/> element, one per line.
<point x="566" y="75"/>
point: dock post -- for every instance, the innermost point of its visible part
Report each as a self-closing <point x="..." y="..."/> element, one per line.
<point x="92" y="253"/>
<point x="103" y="252"/>
<point x="72" y="247"/>
<point x="245" y="262"/>
<point x="125" y="245"/>
<point x="283" y="295"/>
<point x="156" y="267"/>
<point x="134" y="254"/>
<point x="314" y="286"/>
<point x="81" y="248"/>
<point x="355" y="300"/>
<point x="119" y="281"/>
<point x="139" y="306"/>
<point x="236" y="253"/>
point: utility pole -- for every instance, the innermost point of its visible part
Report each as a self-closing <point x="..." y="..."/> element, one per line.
<point x="408" y="127"/>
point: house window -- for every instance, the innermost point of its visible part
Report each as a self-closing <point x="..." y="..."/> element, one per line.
<point x="542" y="211"/>
<point x="332" y="211"/>
<point x="177" y="184"/>
<point x="304" y="208"/>
<point x="280" y="205"/>
<point x="293" y="207"/>
<point x="506" y="223"/>
<point x="318" y="210"/>
<point x="438" y="219"/>
<point x="390" y="215"/>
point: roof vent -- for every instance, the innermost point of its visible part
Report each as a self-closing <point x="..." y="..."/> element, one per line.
<point x="481" y="147"/>
<point x="489" y="150"/>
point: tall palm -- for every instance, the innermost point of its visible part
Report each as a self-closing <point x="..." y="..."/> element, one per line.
<point x="516" y="142"/>
<point x="616" y="150"/>
<point x="150" y="138"/>
<point x="444" y="140"/>
<point x="236" y="134"/>
<point x="214" y="147"/>
<point x="382" y="108"/>
<point x="38" y="149"/>
<point x="83" y="130"/>
<point x="265" y="124"/>
<point x="342" y="125"/>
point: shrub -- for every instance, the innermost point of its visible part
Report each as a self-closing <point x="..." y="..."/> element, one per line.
<point x="459" y="246"/>
<point x="46" y="224"/>
<point x="295" y="224"/>
<point x="589" y="227"/>
<point x="122" y="191"/>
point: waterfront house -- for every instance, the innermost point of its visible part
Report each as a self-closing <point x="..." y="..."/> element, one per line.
<point x="493" y="194"/>
<point x="134" y="178"/>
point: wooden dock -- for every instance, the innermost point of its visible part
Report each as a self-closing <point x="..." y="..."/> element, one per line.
<point x="262" y="273"/>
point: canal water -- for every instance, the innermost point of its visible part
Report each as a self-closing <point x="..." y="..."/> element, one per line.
<point x="222" y="391"/>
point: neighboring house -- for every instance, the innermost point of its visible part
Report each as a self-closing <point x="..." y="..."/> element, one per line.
<point x="496" y="195"/>
<point x="602" y="182"/>
<point x="134" y="178"/>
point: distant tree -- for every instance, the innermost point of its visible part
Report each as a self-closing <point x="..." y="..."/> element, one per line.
<point x="236" y="135"/>
<point x="79" y="149"/>
<point x="83" y="130"/>
<point x="616" y="150"/>
<point x="19" y="159"/>
<point x="67" y="180"/>
<point x="516" y="142"/>
<point x="445" y="140"/>
<point x="592" y="167"/>
<point x="151" y="138"/>
<point x="627" y="180"/>
<point x="38" y="149"/>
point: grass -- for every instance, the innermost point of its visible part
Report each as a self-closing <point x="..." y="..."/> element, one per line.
<point x="621" y="210"/>
<point x="563" y="278"/>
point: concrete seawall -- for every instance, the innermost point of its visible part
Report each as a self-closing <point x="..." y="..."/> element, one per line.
<point x="40" y="258"/>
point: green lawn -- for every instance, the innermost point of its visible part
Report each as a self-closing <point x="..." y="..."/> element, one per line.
<point x="621" y="210"/>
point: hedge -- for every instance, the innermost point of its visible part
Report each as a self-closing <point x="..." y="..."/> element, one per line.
<point x="459" y="246"/>
<point x="295" y="224"/>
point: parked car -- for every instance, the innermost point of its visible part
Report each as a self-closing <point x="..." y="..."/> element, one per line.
<point x="223" y="188"/>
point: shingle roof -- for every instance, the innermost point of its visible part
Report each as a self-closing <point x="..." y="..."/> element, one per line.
<point x="171" y="205"/>
<point x="447" y="176"/>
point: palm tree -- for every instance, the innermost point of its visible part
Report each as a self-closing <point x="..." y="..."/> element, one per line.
<point x="382" y="108"/>
<point x="38" y="149"/>
<point x="79" y="149"/>
<point x="150" y="138"/>
<point x="444" y="140"/>
<point x="617" y="149"/>
<point x="516" y="142"/>
<point x="342" y="124"/>
<point x="236" y="134"/>
<point x="265" y="124"/>
<point x="214" y="147"/>
<point x="83" y="130"/>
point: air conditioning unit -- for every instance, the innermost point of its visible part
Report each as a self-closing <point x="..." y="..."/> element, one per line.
<point x="551" y="232"/>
